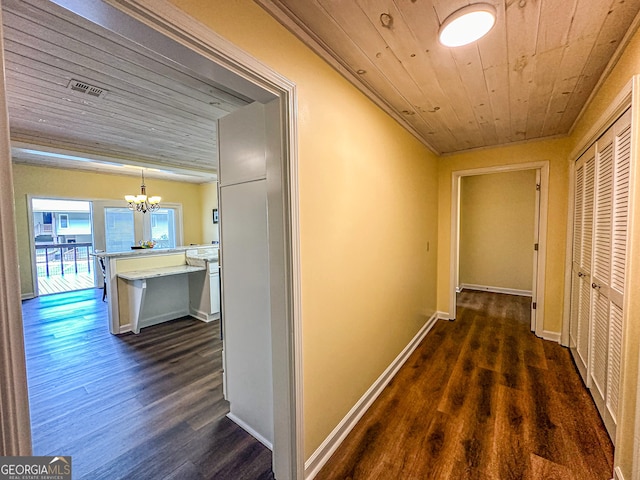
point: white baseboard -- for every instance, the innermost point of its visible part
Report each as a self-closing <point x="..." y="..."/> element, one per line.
<point x="617" y="474"/>
<point x="443" y="316"/>
<point x="336" y="437"/>
<point x="28" y="296"/>
<point x="250" y="430"/>
<point x="125" y="328"/>
<point x="552" y="336"/>
<point x="487" y="288"/>
<point x="204" y="316"/>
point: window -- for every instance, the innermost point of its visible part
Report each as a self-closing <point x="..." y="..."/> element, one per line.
<point x="64" y="220"/>
<point x="163" y="228"/>
<point x="119" y="229"/>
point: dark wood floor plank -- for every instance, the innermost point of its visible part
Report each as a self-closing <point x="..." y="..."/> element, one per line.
<point x="131" y="406"/>
<point x="480" y="398"/>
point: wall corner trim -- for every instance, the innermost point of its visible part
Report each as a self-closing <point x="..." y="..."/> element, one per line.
<point x="322" y="454"/>
<point x="617" y="474"/>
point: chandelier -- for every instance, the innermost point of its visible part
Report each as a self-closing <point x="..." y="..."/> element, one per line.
<point x="142" y="203"/>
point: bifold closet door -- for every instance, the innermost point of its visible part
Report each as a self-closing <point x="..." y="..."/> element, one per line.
<point x="619" y="232"/>
<point x="601" y="268"/>
<point x="581" y="265"/>
<point x="612" y="212"/>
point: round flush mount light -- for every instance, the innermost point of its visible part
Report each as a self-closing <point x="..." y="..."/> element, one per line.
<point x="467" y="25"/>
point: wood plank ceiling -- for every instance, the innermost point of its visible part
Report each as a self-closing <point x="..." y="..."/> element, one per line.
<point x="529" y="78"/>
<point x="153" y="113"/>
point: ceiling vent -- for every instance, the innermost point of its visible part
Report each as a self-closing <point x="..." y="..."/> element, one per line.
<point x="83" y="87"/>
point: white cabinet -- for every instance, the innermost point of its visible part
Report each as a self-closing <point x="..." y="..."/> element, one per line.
<point x="601" y="211"/>
<point x="244" y="242"/>
<point x="204" y="293"/>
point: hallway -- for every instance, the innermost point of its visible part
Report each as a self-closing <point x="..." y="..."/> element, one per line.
<point x="480" y="398"/>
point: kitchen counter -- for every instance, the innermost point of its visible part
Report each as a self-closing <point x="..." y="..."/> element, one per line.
<point x="149" y="286"/>
<point x="160" y="272"/>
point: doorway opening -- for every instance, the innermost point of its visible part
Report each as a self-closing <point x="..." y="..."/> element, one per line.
<point x="198" y="43"/>
<point x="530" y="278"/>
<point x="62" y="242"/>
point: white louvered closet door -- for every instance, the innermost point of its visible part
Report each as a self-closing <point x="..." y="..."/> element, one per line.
<point x="581" y="265"/>
<point x="601" y="214"/>
<point x="620" y="218"/>
<point x="601" y="269"/>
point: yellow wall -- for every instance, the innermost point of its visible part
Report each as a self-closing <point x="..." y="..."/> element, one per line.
<point x="554" y="151"/>
<point x="497" y="213"/>
<point x="368" y="196"/>
<point x="209" y="201"/>
<point x="76" y="184"/>
<point x="625" y="69"/>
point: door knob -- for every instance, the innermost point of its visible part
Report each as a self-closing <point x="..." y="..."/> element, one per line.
<point x="593" y="285"/>
<point x="580" y="274"/>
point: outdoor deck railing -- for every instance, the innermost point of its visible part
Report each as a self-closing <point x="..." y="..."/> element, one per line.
<point x="53" y="258"/>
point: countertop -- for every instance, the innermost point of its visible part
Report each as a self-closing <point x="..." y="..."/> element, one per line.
<point x="154" y="251"/>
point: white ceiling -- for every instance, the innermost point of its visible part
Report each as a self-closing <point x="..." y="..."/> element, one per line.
<point x="154" y="113"/>
<point x="529" y="78"/>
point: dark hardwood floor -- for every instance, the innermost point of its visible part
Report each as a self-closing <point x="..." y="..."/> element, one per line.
<point x="480" y="398"/>
<point x="145" y="406"/>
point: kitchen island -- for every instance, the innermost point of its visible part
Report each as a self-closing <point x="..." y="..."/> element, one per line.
<point x="150" y="286"/>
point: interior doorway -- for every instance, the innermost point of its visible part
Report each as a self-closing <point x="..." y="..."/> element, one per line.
<point x="62" y="241"/>
<point x="283" y="227"/>
<point x="537" y="242"/>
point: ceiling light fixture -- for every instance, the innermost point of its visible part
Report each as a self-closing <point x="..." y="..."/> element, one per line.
<point x="467" y="25"/>
<point x="141" y="202"/>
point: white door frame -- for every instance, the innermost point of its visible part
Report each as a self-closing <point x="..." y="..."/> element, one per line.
<point x="537" y="324"/>
<point x="15" y="426"/>
<point x="284" y="249"/>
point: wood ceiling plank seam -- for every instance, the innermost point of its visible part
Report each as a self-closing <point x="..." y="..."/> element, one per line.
<point x="583" y="22"/>
<point x="522" y="32"/>
<point x="618" y="20"/>
<point x="396" y="39"/>
<point x="382" y="57"/>
<point x="295" y="24"/>
<point x="102" y="159"/>
<point x="469" y="65"/>
<point x="106" y="169"/>
<point x="420" y="67"/>
<point x="442" y="63"/>
<point x="82" y="62"/>
<point x="553" y="33"/>
<point x="188" y="144"/>
<point x="108" y="75"/>
<point x="162" y="147"/>
<point x="76" y="27"/>
<point x="24" y="91"/>
<point x="392" y="84"/>
<point x="588" y="17"/>
<point x="495" y="68"/>
<point x="555" y="21"/>
<point x="145" y="108"/>
<point x="575" y="54"/>
<point x="124" y="156"/>
<point x="196" y="178"/>
<point x="143" y="96"/>
<point x="497" y="80"/>
<point x="544" y="80"/>
<point x="620" y="49"/>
